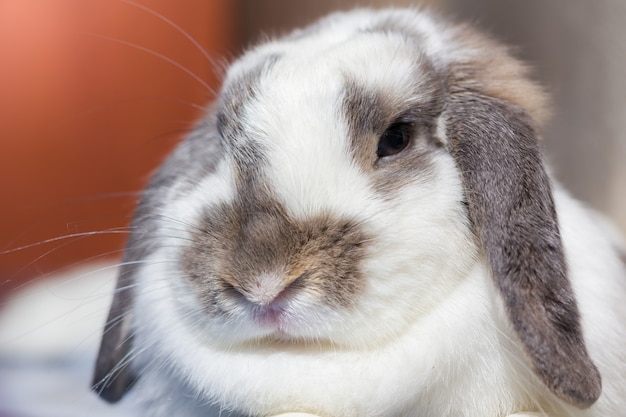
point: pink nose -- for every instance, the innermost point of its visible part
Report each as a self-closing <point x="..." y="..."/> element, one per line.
<point x="268" y="289"/>
<point x="268" y="295"/>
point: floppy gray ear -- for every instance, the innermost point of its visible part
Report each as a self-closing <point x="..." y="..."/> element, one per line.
<point x="510" y="205"/>
<point x="112" y="376"/>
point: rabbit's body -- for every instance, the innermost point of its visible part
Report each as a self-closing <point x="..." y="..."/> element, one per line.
<point x="328" y="241"/>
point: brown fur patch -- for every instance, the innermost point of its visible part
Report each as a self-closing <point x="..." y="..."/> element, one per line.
<point x="367" y="115"/>
<point x="484" y="65"/>
<point x="236" y="243"/>
<point x="488" y="67"/>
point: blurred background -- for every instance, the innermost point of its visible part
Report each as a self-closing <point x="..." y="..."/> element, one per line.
<point x="94" y="94"/>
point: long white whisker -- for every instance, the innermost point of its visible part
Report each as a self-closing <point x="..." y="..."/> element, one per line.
<point x="120" y="230"/>
<point x="156" y="54"/>
<point x="175" y="26"/>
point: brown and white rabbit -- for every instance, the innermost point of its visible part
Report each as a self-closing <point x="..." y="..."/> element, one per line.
<point x="363" y="226"/>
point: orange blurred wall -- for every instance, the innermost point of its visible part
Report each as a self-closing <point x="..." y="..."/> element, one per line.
<point x="92" y="95"/>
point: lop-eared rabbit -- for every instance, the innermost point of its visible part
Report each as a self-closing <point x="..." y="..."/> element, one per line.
<point x="363" y="225"/>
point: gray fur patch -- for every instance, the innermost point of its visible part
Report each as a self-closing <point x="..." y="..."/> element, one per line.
<point x="245" y="150"/>
<point x="369" y="112"/>
<point x="510" y="204"/>
<point x="366" y="115"/>
<point x="237" y="96"/>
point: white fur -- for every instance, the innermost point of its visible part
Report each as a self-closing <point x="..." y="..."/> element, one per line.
<point x="461" y="335"/>
<point x="427" y="337"/>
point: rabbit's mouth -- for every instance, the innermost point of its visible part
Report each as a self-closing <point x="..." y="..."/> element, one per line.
<point x="268" y="301"/>
<point x="274" y="309"/>
<point x="275" y="319"/>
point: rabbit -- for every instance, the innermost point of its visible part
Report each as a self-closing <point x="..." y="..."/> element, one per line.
<point x="363" y="225"/>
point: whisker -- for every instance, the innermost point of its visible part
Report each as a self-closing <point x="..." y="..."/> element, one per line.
<point x="117" y="230"/>
<point x="156" y="54"/>
<point x="174" y="26"/>
<point x="86" y="262"/>
<point x="65" y="242"/>
<point x="117" y="369"/>
<point x="178" y="221"/>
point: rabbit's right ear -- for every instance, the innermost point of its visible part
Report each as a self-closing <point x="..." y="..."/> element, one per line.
<point x="113" y="376"/>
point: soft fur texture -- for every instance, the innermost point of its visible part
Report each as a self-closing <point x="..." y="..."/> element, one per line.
<point x="279" y="264"/>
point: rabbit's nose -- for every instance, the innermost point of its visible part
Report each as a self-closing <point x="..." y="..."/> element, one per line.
<point x="267" y="289"/>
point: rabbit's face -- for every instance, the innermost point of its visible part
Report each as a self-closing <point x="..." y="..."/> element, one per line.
<point x="343" y="220"/>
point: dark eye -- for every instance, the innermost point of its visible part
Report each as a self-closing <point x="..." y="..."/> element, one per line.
<point x="394" y="140"/>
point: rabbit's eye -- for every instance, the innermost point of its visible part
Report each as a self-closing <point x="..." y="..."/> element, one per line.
<point x="395" y="139"/>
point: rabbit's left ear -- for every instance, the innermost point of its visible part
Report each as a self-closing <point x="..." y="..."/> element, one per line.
<point x="510" y="205"/>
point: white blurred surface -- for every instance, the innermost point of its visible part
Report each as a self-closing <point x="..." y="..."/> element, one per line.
<point x="49" y="337"/>
<point x="58" y="316"/>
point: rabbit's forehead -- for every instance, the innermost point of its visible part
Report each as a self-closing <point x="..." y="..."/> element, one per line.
<point x="309" y="115"/>
<point x="385" y="62"/>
